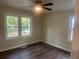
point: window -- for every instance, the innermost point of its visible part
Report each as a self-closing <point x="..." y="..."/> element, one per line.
<point x="71" y="27"/>
<point x="12" y="26"/>
<point x="17" y="26"/>
<point x="25" y="26"/>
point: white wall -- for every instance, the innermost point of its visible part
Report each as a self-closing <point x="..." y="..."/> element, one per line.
<point x="36" y="28"/>
<point x="55" y="29"/>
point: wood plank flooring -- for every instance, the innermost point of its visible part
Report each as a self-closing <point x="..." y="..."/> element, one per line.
<point x="36" y="51"/>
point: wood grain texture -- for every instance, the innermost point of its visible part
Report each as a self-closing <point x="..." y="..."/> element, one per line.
<point x="35" y="51"/>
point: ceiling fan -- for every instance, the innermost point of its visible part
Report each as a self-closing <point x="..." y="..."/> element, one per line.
<point x="44" y="6"/>
<point x="41" y="5"/>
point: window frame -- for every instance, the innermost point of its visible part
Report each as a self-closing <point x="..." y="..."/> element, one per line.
<point x="30" y="27"/>
<point x="70" y="29"/>
<point x="19" y="28"/>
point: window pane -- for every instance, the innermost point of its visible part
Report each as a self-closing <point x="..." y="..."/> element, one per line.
<point x="12" y="26"/>
<point x="25" y="26"/>
<point x="72" y="27"/>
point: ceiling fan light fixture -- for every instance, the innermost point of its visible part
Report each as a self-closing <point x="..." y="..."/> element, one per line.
<point x="38" y="7"/>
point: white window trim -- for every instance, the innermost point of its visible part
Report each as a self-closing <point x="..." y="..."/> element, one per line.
<point x="19" y="28"/>
<point x="5" y="29"/>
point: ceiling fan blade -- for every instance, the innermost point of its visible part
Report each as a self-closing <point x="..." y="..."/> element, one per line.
<point x="47" y="8"/>
<point x="48" y="4"/>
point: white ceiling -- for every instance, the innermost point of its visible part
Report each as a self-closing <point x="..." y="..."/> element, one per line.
<point x="26" y="4"/>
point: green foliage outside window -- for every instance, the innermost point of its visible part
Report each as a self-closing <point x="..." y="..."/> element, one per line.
<point x="25" y="23"/>
<point x="11" y="20"/>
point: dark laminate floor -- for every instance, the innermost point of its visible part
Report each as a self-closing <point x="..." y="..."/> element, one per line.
<point x="35" y="51"/>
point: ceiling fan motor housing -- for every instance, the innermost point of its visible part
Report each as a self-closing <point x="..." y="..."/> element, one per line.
<point x="39" y="2"/>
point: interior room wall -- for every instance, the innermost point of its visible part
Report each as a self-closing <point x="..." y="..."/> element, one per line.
<point x="36" y="28"/>
<point x="55" y="29"/>
<point x="51" y="28"/>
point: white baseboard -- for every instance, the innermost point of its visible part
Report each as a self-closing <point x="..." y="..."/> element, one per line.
<point x="18" y="46"/>
<point x="33" y="43"/>
<point x="58" y="46"/>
